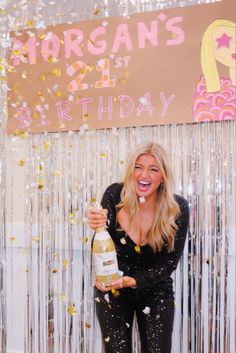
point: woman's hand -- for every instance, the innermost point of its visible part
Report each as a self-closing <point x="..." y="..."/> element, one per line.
<point x="97" y="217"/>
<point x="123" y="282"/>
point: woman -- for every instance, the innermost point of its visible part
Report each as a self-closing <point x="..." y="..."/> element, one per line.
<point x="148" y="225"/>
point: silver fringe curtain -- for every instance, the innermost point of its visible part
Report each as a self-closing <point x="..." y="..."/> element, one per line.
<point x="60" y="173"/>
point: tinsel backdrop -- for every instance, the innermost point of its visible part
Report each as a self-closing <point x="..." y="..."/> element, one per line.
<point x="45" y="260"/>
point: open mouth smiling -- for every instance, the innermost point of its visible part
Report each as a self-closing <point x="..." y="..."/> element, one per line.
<point x="143" y="185"/>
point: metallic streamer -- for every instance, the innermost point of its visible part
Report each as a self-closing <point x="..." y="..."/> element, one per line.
<point x="63" y="172"/>
<point x="200" y="161"/>
<point x="3" y="315"/>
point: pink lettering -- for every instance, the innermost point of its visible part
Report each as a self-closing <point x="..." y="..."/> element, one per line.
<point x="84" y="102"/>
<point x="165" y="102"/>
<point x="73" y="45"/>
<point x="122" y="36"/>
<point x="126" y="106"/>
<point x="144" y="33"/>
<point x="41" y="110"/>
<point x="28" y="48"/>
<point x="63" y="107"/>
<point x="179" y="34"/>
<point x="145" y="105"/>
<point x="97" y="47"/>
<point x="50" y="46"/>
<point x="23" y="115"/>
<point x="102" y="109"/>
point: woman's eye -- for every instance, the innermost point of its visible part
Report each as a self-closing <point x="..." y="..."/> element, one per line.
<point x="137" y="167"/>
<point x="154" y="170"/>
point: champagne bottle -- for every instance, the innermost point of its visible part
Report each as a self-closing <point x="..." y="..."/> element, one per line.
<point x="105" y="258"/>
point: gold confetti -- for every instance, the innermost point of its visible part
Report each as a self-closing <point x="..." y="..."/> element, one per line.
<point x="107" y="339"/>
<point x="82" y="71"/>
<point x="102" y="154"/>
<point x="87" y="325"/>
<point x="16" y="52"/>
<point x="29" y="23"/>
<point x="122" y="80"/>
<point x="63" y="296"/>
<point x="85" y="239"/>
<point x="36" y="238"/>
<point x="3" y="12"/>
<point x="41" y="167"/>
<point x="73" y="221"/>
<point x="47" y="145"/>
<point x="56" y="72"/>
<point x="57" y="173"/>
<point x="93" y="199"/>
<point x="55" y="270"/>
<point x="21" y="162"/>
<point x="71" y="310"/>
<point x="115" y="292"/>
<point x="51" y="59"/>
<point x="12" y="238"/>
<point x="126" y="73"/>
<point x="58" y="93"/>
<point x="40" y="186"/>
<point x="123" y="241"/>
<point x="65" y="263"/>
<point x="42" y="36"/>
<point x="96" y="11"/>
<point x="137" y="249"/>
<point x="90" y="67"/>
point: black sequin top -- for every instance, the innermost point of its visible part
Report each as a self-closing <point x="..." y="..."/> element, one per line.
<point x="150" y="270"/>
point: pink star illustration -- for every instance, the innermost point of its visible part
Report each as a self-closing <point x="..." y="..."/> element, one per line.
<point x="223" y="41"/>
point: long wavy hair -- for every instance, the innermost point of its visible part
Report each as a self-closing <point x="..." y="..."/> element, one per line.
<point x="167" y="209"/>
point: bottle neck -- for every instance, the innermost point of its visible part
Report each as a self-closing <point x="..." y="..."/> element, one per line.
<point x="101" y="229"/>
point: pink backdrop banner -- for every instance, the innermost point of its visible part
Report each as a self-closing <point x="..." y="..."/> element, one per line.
<point x="172" y="66"/>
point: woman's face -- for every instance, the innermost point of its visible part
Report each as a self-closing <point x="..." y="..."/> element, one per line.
<point x="147" y="176"/>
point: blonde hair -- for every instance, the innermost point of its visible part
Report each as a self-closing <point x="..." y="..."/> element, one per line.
<point x="167" y="209"/>
<point x="208" y="60"/>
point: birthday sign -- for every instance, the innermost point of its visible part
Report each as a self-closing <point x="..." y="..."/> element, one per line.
<point x="145" y="69"/>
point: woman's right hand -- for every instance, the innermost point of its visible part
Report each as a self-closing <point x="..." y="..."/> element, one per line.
<point x="97" y="217"/>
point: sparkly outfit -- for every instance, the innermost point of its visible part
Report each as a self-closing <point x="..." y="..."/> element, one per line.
<point x="152" y="300"/>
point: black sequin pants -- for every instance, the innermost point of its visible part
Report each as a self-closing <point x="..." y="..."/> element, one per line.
<point x="154" y="312"/>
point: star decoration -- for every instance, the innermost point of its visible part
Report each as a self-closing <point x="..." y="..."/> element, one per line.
<point x="223" y="41"/>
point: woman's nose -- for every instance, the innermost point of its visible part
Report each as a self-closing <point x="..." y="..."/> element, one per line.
<point x="144" y="173"/>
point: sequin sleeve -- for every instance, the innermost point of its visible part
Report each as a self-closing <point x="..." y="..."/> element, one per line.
<point x="110" y="199"/>
<point x="159" y="272"/>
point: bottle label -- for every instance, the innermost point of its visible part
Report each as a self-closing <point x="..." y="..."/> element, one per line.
<point x="105" y="263"/>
